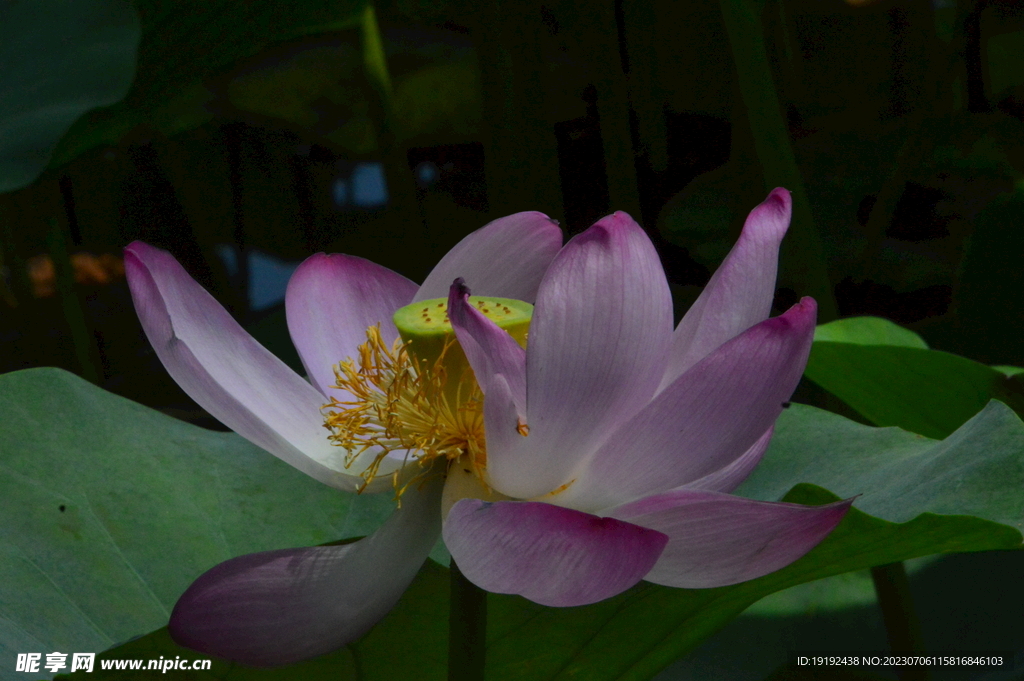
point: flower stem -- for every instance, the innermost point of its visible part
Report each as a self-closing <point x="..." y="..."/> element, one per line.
<point x="467" y="629"/>
<point x="902" y="624"/>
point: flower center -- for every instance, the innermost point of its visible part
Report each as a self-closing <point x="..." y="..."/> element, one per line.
<point x="418" y="396"/>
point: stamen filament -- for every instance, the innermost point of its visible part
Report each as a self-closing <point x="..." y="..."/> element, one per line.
<point x="398" y="404"/>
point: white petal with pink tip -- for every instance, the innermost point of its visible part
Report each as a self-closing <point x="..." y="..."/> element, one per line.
<point x="740" y="292"/>
<point x="227" y="372"/>
<point x="600" y="332"/>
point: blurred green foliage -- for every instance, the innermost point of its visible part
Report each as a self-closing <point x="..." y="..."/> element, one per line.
<point x="57" y="61"/>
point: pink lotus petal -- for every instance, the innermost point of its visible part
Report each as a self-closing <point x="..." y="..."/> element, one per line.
<point x="279" y="607"/>
<point x="598" y="340"/>
<point x="717" y="539"/>
<point x="729" y="477"/>
<point x="553" y="556"/>
<point x="504" y="258"/>
<point x="705" y="420"/>
<point x="227" y="372"/>
<point x="491" y="351"/>
<point x="500" y="368"/>
<point x="330" y="302"/>
<point x="740" y="292"/>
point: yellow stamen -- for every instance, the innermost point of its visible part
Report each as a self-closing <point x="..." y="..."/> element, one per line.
<point x="418" y="395"/>
<point x="398" y="406"/>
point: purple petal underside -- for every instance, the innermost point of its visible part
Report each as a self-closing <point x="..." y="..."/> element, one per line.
<point x="280" y="607"/>
<point x="553" y="556"/>
<point x="718" y="539"/>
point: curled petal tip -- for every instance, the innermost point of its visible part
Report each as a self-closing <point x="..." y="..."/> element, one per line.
<point x="780" y="201"/>
<point x="770" y="219"/>
<point x="538" y="214"/>
<point x="780" y="195"/>
<point x="321" y="261"/>
<point x="138" y="250"/>
<point x="617" y="220"/>
<point x="808" y="306"/>
<point x="802" y="314"/>
<point x="457" y="293"/>
<point x="531" y="213"/>
<point x="616" y="231"/>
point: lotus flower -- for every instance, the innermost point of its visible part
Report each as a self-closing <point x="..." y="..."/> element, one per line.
<point x="565" y="472"/>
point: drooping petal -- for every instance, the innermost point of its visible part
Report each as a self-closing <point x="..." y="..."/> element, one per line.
<point x="728" y="477"/>
<point x="490" y="350"/>
<point x="227" y="372"/>
<point x="553" y="556"/>
<point x="596" y="351"/>
<point x="717" y="539"/>
<point x="702" y="422"/>
<point x="740" y="292"/>
<point x="506" y="258"/>
<point x="330" y="302"/>
<point x="280" y="607"/>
